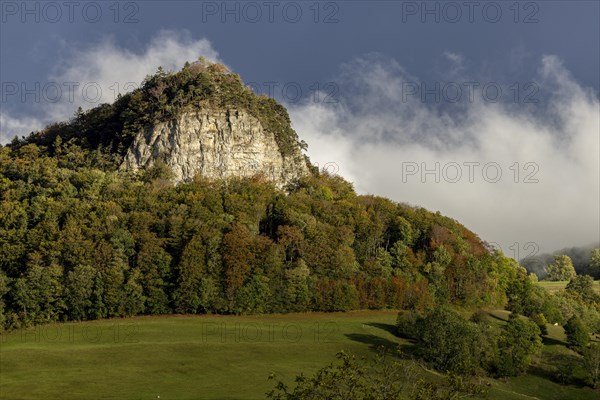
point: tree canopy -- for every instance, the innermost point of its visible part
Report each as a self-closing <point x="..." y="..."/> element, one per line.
<point x="78" y="242"/>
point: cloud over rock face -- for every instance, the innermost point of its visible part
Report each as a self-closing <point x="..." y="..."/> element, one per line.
<point x="523" y="175"/>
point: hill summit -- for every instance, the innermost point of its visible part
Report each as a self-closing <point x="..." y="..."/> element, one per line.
<point x="200" y="120"/>
<point x="221" y="130"/>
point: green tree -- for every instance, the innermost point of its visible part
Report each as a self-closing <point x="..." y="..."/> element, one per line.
<point x="254" y="296"/>
<point x="561" y="269"/>
<point x="541" y="322"/>
<point x="400" y="254"/>
<point x="39" y="292"/>
<point x="133" y="294"/>
<point x="345" y="381"/>
<point x="381" y="378"/>
<point x="595" y="263"/>
<point x="79" y="289"/>
<point x="450" y="341"/>
<point x="296" y="289"/>
<point x="518" y="342"/>
<point x="591" y="362"/>
<point x="192" y="265"/>
<point x="4" y="288"/>
<point x="456" y="387"/>
<point x="583" y="285"/>
<point x="154" y="264"/>
<point x="577" y="333"/>
<point x="112" y="278"/>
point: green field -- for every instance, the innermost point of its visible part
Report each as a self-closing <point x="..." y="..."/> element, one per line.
<point x="215" y="357"/>
<point x="555" y="286"/>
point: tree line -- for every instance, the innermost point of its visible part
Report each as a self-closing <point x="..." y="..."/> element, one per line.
<point x="80" y="243"/>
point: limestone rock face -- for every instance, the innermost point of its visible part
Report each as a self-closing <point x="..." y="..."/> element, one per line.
<point x="218" y="144"/>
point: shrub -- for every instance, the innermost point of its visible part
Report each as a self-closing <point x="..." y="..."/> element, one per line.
<point x="541" y="322"/>
<point x="449" y="341"/>
<point x="518" y="342"/>
<point x="577" y="333"/>
<point x="406" y="325"/>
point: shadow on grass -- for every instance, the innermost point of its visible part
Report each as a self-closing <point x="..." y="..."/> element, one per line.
<point x="548" y="341"/>
<point x="562" y="376"/>
<point x="386" y="327"/>
<point x="559" y="368"/>
<point x="376" y="343"/>
<point x="491" y="315"/>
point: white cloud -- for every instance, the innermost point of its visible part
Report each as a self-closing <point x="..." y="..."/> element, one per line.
<point x="9" y="126"/>
<point x="101" y="72"/>
<point x="374" y="131"/>
<point x="456" y="61"/>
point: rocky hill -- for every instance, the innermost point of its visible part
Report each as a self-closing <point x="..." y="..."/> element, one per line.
<point x="217" y="144"/>
<point x="200" y="120"/>
<point x="84" y="237"/>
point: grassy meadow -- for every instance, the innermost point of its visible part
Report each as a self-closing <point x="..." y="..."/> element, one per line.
<point x="222" y="357"/>
<point x="555" y="286"/>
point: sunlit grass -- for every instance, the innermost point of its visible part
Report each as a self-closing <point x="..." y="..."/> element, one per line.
<point x="214" y="357"/>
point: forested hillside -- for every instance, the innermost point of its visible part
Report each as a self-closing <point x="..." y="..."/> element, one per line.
<point x="81" y="240"/>
<point x="83" y="243"/>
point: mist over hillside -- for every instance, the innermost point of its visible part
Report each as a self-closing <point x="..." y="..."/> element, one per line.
<point x="580" y="255"/>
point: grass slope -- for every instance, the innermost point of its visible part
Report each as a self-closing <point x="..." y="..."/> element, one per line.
<point x="208" y="357"/>
<point x="555" y="286"/>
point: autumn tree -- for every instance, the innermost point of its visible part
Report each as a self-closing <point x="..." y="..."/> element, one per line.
<point x="237" y="260"/>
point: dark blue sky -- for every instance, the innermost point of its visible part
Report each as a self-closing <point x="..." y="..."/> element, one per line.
<point x="276" y="48"/>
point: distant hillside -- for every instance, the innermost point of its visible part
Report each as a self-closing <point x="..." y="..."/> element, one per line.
<point x="581" y="257"/>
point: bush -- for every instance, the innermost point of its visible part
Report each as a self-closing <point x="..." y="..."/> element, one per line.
<point x="541" y="322"/>
<point x="480" y="317"/>
<point x="583" y="286"/>
<point x="449" y="341"/>
<point x="519" y="341"/>
<point x="577" y="333"/>
<point x="591" y="361"/>
<point x="406" y="325"/>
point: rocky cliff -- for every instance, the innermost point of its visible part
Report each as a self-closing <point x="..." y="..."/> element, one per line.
<point x="199" y="120"/>
<point x="217" y="143"/>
